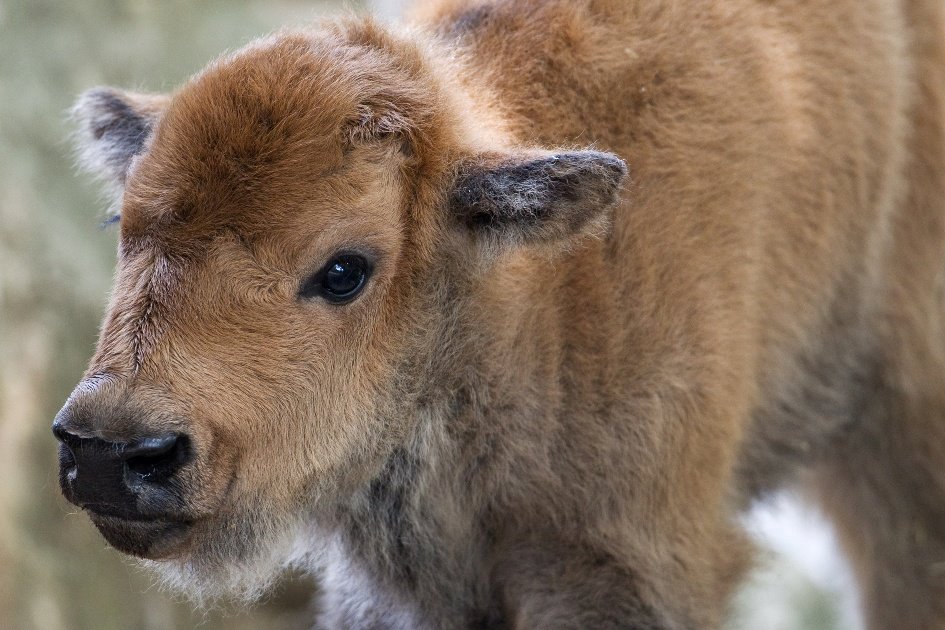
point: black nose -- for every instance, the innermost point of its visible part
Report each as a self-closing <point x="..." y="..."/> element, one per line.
<point x="126" y="479"/>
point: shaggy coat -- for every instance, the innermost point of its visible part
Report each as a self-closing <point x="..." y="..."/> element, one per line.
<point x="631" y="265"/>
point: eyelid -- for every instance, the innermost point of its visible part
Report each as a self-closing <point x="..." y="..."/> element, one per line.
<point x="368" y="253"/>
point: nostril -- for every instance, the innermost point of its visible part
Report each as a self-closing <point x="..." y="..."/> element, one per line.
<point x="67" y="462"/>
<point x="154" y="459"/>
<point x="68" y="439"/>
<point x="151" y="447"/>
<point x="67" y="442"/>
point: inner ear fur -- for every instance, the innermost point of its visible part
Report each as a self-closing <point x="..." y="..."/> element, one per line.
<point x="536" y="197"/>
<point x="113" y="127"/>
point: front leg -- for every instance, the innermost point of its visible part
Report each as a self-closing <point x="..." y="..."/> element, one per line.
<point x="557" y="585"/>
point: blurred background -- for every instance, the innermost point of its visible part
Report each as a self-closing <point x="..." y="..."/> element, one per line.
<point x="56" y="263"/>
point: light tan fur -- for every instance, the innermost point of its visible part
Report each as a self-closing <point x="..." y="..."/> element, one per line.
<point x="548" y="420"/>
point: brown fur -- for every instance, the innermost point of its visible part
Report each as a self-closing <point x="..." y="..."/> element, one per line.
<point x="542" y="418"/>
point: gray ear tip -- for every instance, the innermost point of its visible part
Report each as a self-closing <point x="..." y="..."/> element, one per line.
<point x="92" y="101"/>
<point x="612" y="163"/>
<point x="98" y="107"/>
<point x="98" y="93"/>
<point x="603" y="164"/>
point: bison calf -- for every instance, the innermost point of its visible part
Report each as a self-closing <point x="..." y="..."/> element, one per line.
<point x="389" y="307"/>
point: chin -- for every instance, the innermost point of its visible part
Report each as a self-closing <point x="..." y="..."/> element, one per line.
<point x="147" y="539"/>
<point x="224" y="561"/>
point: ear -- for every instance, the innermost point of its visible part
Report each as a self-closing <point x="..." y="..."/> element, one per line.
<point x="113" y="127"/>
<point x="533" y="198"/>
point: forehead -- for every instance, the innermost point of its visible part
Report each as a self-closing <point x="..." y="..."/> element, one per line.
<point x="250" y="143"/>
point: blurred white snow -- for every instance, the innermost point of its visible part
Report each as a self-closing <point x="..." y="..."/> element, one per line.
<point x="388" y="9"/>
<point x="802" y="581"/>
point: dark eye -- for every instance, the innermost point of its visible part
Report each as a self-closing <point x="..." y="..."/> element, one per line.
<point x="339" y="281"/>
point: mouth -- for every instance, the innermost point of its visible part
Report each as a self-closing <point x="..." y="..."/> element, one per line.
<point x="152" y="539"/>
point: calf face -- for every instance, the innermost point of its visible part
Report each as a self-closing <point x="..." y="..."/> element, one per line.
<point x="300" y="226"/>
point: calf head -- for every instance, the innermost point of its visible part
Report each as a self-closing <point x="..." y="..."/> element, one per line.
<point x="297" y="224"/>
